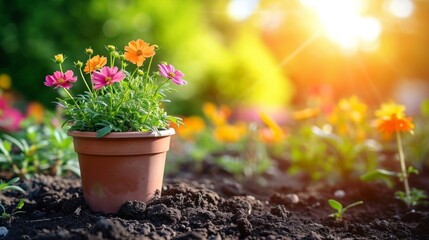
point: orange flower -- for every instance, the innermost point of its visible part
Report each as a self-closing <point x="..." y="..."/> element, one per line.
<point x="217" y="115"/>
<point x="36" y="111"/>
<point x="395" y="124"/>
<point x="229" y="133"/>
<point x="306" y="113"/>
<point x="137" y="51"/>
<point x="193" y="126"/>
<point x="95" y="63"/>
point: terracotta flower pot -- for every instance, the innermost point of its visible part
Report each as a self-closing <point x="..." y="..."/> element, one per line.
<point x="120" y="167"/>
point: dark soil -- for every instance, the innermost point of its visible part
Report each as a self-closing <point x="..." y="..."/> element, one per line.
<point x="215" y="206"/>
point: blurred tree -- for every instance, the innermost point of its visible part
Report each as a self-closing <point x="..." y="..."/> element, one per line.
<point x="224" y="60"/>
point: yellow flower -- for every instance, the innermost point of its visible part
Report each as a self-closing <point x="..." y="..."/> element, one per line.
<point x="306" y="113"/>
<point x="5" y="81"/>
<point x="273" y="133"/>
<point x="59" y="58"/>
<point x="388" y="109"/>
<point x="353" y="108"/>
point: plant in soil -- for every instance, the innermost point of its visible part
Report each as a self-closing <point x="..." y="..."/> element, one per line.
<point x="11" y="185"/>
<point x="392" y="120"/>
<point x="39" y="149"/>
<point x="340" y="210"/>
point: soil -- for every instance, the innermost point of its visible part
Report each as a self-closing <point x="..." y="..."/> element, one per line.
<point x="213" y="205"/>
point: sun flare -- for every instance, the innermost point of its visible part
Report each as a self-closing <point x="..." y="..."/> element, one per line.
<point x="342" y="22"/>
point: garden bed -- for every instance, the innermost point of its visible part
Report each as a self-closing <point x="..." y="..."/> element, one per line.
<point x="212" y="205"/>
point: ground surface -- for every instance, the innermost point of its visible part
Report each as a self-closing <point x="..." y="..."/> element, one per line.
<point x="215" y="206"/>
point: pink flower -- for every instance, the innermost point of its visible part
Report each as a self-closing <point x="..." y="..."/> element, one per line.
<point x="168" y="71"/>
<point x="10" y="118"/>
<point x="59" y="79"/>
<point x="106" y="76"/>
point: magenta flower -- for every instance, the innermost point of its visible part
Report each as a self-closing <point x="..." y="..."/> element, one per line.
<point x="106" y="76"/>
<point x="59" y="79"/>
<point x="168" y="71"/>
<point x="10" y="118"/>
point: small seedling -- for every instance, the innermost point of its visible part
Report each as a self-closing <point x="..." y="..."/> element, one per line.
<point x="340" y="209"/>
<point x="10" y="186"/>
<point x="5" y="215"/>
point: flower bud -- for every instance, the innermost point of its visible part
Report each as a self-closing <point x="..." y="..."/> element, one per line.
<point x="89" y="51"/>
<point x="140" y="72"/>
<point x="116" y="54"/>
<point x="78" y="64"/>
<point x="122" y="57"/>
<point x="156" y="46"/>
<point x="111" y="48"/>
<point x="59" y="58"/>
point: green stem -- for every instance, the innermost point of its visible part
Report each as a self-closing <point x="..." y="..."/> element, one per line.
<point x="137" y="68"/>
<point x="159" y="87"/>
<point x="352" y="205"/>
<point x="68" y="93"/>
<point x="403" y="166"/>
<point x="84" y="80"/>
<point x="148" y="67"/>
<point x="61" y="68"/>
<point x="111" y="98"/>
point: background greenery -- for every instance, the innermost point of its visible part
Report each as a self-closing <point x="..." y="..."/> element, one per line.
<point x="204" y="44"/>
<point x="259" y="60"/>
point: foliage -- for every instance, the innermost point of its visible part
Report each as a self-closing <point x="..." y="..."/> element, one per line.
<point x="118" y="100"/>
<point x="10" y="185"/>
<point x="340" y="210"/>
<point x="42" y="149"/>
<point x="334" y="145"/>
<point x="392" y="120"/>
<point x="235" y="146"/>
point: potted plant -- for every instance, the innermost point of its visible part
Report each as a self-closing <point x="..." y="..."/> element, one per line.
<point x="119" y="127"/>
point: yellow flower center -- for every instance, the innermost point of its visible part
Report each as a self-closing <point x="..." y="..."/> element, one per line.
<point x="139" y="52"/>
<point x="108" y="79"/>
<point x="171" y="74"/>
<point x="61" y="80"/>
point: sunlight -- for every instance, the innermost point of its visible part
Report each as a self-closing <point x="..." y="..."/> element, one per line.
<point x="401" y="8"/>
<point x="343" y="23"/>
<point x="240" y="10"/>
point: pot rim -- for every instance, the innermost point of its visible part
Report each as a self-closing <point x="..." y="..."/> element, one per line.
<point x="160" y="133"/>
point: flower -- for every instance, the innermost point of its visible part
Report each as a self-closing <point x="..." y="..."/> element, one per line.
<point x="168" y="71"/>
<point x="391" y="119"/>
<point x="95" y="63"/>
<point x="106" y="76"/>
<point x="194" y="126"/>
<point x="395" y="124"/>
<point x="59" y="79"/>
<point x="117" y="99"/>
<point x="137" y="52"/>
<point x="388" y="109"/>
<point x="10" y="118"/>
<point x="272" y="133"/>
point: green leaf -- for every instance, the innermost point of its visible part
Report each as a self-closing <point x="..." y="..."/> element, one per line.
<point x="380" y="174"/>
<point x="20" y="204"/>
<point x="335" y="204"/>
<point x="104" y="131"/>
